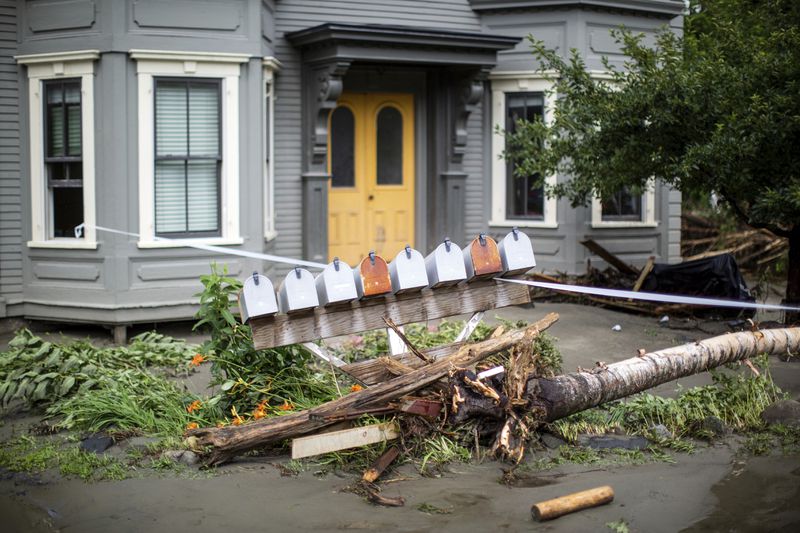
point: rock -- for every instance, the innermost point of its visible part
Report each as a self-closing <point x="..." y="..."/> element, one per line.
<point x="551" y="441"/>
<point x="660" y="432"/>
<point x="186" y="457"/>
<point x="785" y="412"/>
<point x="189" y="458"/>
<point x="97" y="443"/>
<point x="616" y="327"/>
<point x="715" y="426"/>
<point x="602" y="442"/>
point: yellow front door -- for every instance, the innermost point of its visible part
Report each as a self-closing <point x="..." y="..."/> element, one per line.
<point x="371" y="161"/>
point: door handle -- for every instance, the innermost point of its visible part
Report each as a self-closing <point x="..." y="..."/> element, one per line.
<point x="370" y="197"/>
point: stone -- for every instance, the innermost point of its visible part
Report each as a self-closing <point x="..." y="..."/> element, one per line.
<point x="715" y="426"/>
<point x="551" y="441"/>
<point x="189" y="458"/>
<point x="785" y="412"/>
<point x="603" y="442"/>
<point x="660" y="432"/>
<point x="97" y="443"/>
<point x="186" y="457"/>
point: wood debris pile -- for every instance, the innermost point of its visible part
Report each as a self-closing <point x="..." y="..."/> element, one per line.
<point x="755" y="250"/>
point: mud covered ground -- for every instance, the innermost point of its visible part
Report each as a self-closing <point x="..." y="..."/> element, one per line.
<point x="717" y="488"/>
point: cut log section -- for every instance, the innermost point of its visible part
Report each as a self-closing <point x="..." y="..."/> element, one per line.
<point x="547" y="510"/>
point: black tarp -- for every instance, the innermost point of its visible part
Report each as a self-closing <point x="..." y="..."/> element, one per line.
<point x="713" y="277"/>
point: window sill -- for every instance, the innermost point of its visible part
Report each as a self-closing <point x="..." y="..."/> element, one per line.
<point x="622" y="224"/>
<point x="523" y="224"/>
<point x="65" y="244"/>
<point x="181" y="243"/>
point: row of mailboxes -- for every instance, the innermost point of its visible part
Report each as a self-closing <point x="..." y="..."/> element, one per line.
<point x="409" y="271"/>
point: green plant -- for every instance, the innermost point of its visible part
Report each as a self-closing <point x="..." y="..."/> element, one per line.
<point x="132" y="400"/>
<point x="39" y="372"/>
<point x="439" y="450"/>
<point x="618" y="526"/>
<point x="276" y="379"/>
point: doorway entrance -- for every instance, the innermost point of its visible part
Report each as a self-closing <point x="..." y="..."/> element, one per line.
<point x="371" y="162"/>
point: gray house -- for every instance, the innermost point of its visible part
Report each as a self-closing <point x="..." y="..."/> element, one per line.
<point x="301" y="128"/>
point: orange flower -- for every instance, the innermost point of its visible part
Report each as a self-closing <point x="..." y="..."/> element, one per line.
<point x="356" y="388"/>
<point x="194" y="406"/>
<point x="237" y="422"/>
<point x="192" y="425"/>
<point x="260" y="410"/>
<point x="287" y="406"/>
<point x="197" y="359"/>
<point x="221" y="424"/>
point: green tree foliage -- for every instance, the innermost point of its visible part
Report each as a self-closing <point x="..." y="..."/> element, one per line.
<point x="716" y="110"/>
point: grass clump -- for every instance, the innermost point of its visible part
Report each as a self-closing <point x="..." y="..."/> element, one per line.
<point x="27" y="454"/>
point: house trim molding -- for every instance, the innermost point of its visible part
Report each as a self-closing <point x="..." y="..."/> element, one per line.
<point x="501" y="85"/>
<point x="227" y="68"/>
<point x="76" y="64"/>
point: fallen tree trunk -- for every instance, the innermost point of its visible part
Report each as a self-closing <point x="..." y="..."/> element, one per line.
<point x="564" y="395"/>
<point x="229" y="441"/>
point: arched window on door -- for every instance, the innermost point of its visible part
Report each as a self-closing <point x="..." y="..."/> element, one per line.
<point x="342" y="147"/>
<point x="389" y="146"/>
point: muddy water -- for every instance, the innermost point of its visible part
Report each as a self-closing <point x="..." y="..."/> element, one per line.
<point x="761" y="494"/>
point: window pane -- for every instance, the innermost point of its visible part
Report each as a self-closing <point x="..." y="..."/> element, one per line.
<point x="55" y="131"/>
<point x="74" y="130"/>
<point x="204" y="119"/>
<point x="624" y="205"/>
<point x="390" y="147"/>
<point x="67" y="210"/>
<point x="72" y="93"/>
<point x="170" y="184"/>
<point x="342" y="148"/>
<point x="171" y="119"/>
<point x="524" y="199"/>
<point x="202" y="195"/>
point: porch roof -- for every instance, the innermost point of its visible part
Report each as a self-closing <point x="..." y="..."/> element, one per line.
<point x="398" y="44"/>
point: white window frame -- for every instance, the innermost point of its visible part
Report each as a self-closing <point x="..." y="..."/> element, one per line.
<point x="226" y="67"/>
<point x="517" y="82"/>
<point x="60" y="65"/>
<point x="648" y="212"/>
<point x="270" y="67"/>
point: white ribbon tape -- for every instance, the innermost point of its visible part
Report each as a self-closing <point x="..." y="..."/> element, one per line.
<point x="651" y="296"/>
<point x="209" y="248"/>
<point x="595" y="291"/>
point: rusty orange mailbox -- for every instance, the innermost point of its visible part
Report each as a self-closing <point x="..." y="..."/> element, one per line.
<point x="372" y="276"/>
<point x="482" y="258"/>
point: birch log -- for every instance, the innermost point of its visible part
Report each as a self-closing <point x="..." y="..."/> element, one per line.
<point x="570" y="393"/>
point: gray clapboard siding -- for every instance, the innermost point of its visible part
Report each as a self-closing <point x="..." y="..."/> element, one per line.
<point x="10" y="210"/>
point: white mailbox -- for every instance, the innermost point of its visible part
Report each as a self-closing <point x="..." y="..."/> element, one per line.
<point x="336" y="284"/>
<point x="408" y="271"/>
<point x="445" y="265"/>
<point x="481" y="258"/>
<point x="257" y="298"/>
<point x="516" y="252"/>
<point x="297" y="292"/>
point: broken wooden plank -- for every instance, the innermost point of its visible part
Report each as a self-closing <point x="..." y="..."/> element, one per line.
<point x="343" y="440"/>
<point x="368" y="314"/>
<point x="420" y="406"/>
<point x="577" y="501"/>
<point x="648" y="267"/>
<point x="378" y="370"/>
<point x="377" y="468"/>
<point x="610" y="258"/>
